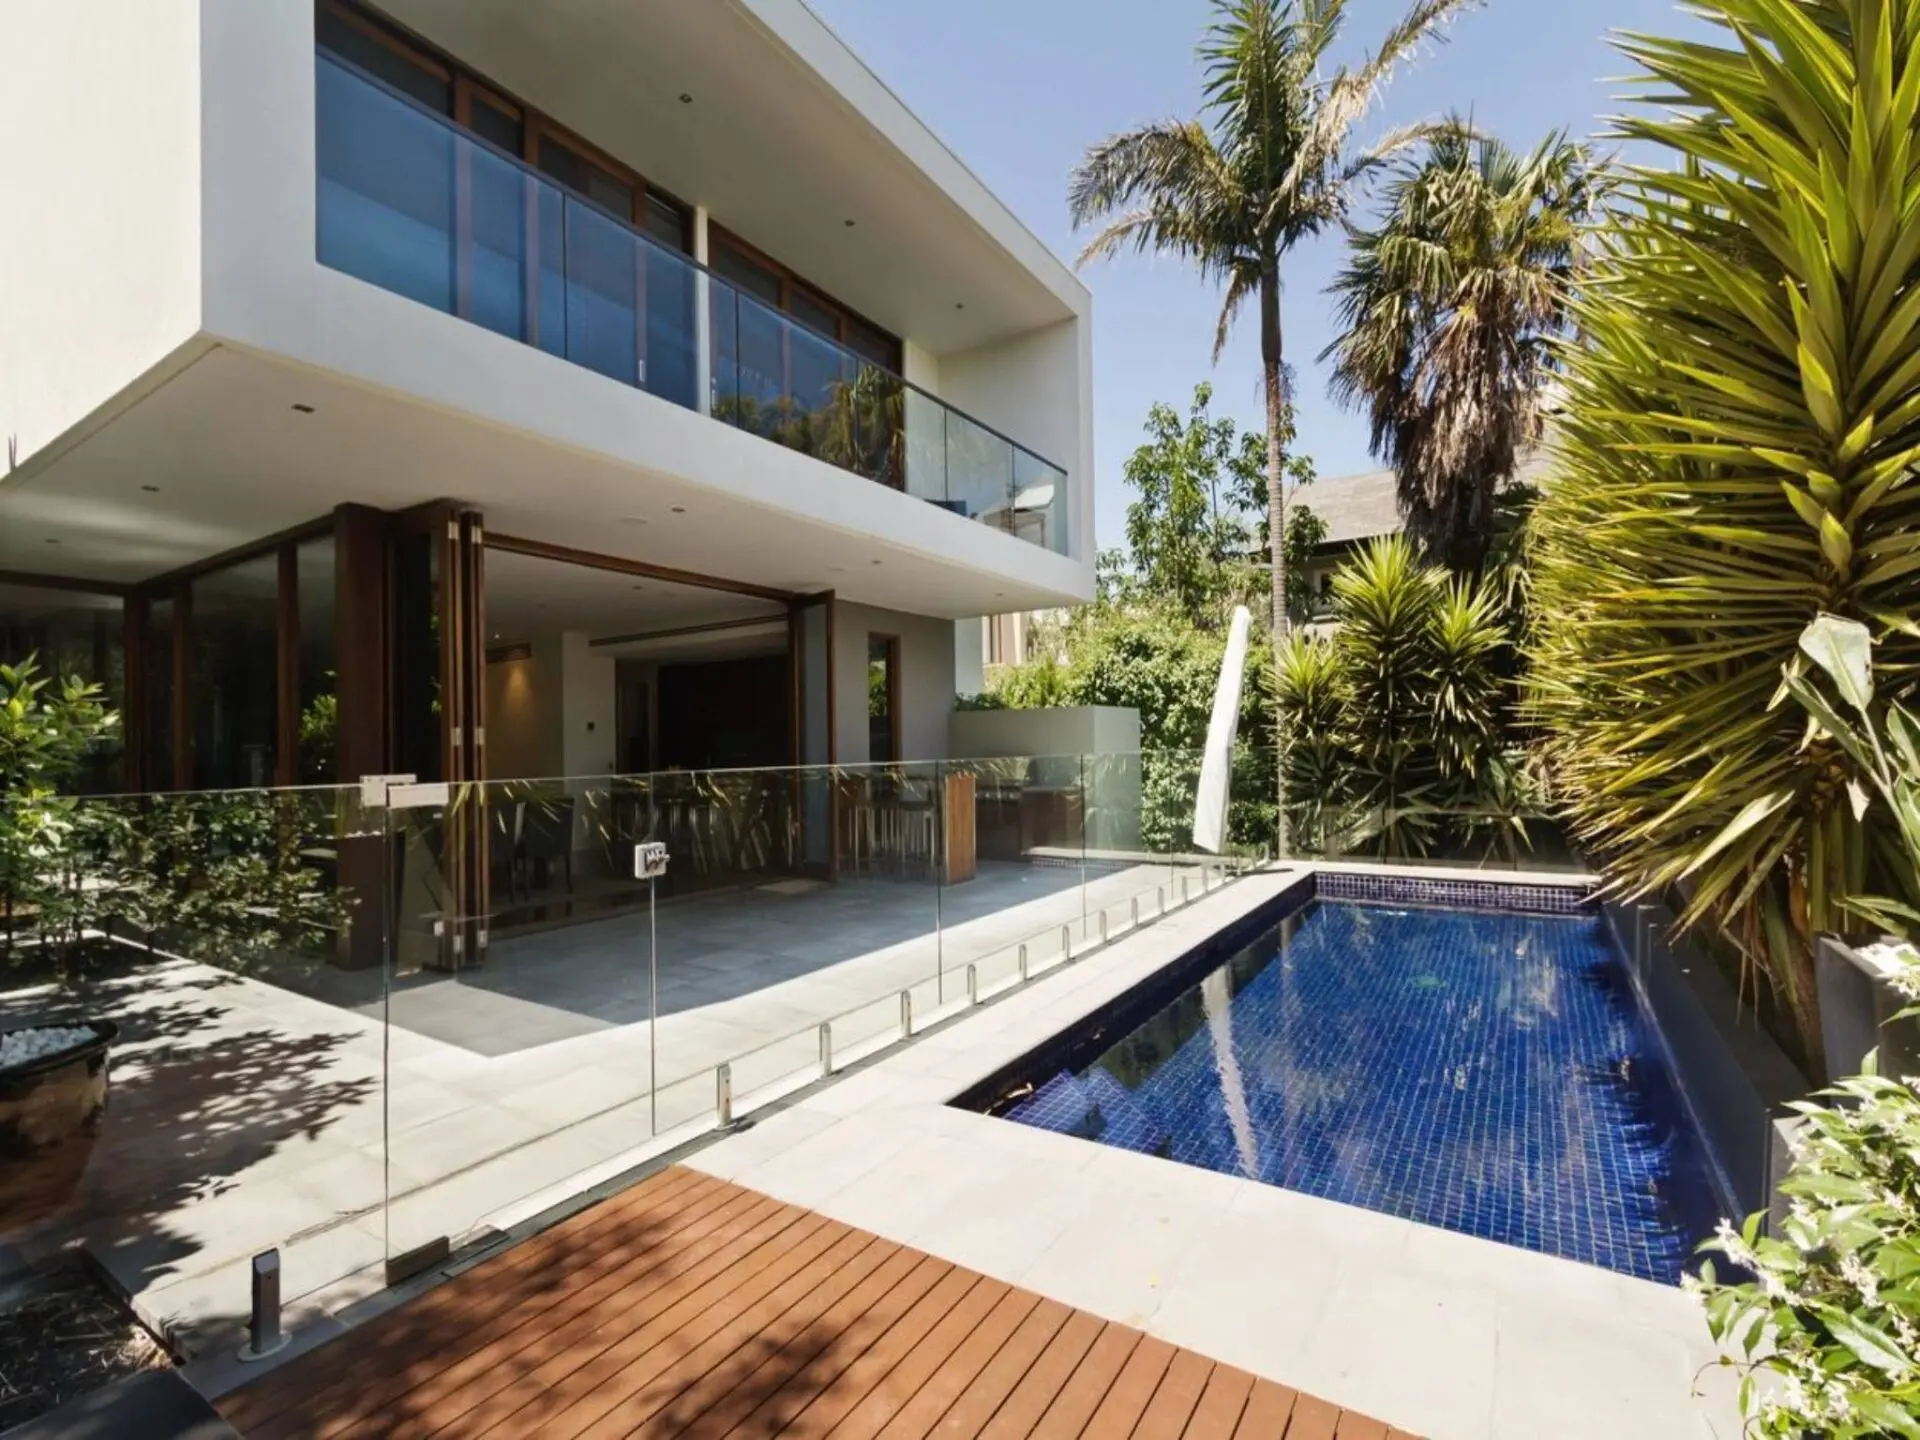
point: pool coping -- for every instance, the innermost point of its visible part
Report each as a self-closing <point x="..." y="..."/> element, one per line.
<point x="1439" y="1333"/>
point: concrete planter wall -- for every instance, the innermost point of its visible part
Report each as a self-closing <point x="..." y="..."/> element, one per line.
<point x="1062" y="744"/>
<point x="1857" y="1007"/>
<point x="1735" y="1082"/>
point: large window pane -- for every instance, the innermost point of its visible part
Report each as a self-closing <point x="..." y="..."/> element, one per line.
<point x="159" y="703"/>
<point x="235" y="647"/>
<point x="343" y="38"/>
<point x="70" y="634"/>
<point x="319" y="680"/>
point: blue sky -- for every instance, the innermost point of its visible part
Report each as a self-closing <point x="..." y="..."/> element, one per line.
<point x="1019" y="88"/>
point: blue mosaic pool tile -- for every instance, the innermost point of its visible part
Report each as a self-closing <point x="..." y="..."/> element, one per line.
<point x="1501" y="895"/>
<point x="1484" y="1072"/>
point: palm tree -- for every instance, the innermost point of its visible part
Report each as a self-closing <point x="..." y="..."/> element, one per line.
<point x="1450" y="308"/>
<point x="1269" y="163"/>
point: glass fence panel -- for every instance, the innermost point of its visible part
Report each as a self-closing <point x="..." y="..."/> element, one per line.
<point x="1039" y="502"/>
<point x="1016" y="864"/>
<point x="926" y="449"/>
<point x="354" y="1032"/>
<point x="979" y="473"/>
<point x="604" y="271"/>
<point x="518" y="1000"/>
<point x="502" y="207"/>
<point x="386" y="189"/>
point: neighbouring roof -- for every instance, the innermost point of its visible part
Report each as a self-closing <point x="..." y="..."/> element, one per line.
<point x="1359" y="507"/>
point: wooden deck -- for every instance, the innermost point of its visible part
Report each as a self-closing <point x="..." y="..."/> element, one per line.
<point x="688" y="1306"/>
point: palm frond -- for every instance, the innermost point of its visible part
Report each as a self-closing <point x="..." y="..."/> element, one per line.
<point x="1740" y="421"/>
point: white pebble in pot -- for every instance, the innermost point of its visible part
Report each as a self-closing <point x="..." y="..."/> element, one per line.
<point x="22" y="1047"/>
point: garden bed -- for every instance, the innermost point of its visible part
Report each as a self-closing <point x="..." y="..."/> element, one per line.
<point x="63" y="1335"/>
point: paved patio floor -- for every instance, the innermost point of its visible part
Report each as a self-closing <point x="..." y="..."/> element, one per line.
<point x="246" y="1114"/>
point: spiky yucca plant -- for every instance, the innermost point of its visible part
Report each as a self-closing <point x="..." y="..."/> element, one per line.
<point x="1736" y="455"/>
<point x="1396" y="722"/>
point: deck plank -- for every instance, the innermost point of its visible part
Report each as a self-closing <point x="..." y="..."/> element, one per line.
<point x="926" y="1412"/>
<point x="311" y="1382"/>
<point x="1073" y="1406"/>
<point x="852" y="1385"/>
<point x="693" y="1308"/>
<point x="500" y="1391"/>
<point x="1268" y="1413"/>
<point x="1172" y="1406"/>
<point x="1010" y="1365"/>
<point x="1132" y="1390"/>
<point x="922" y="1365"/>
<point x="777" y="1411"/>
<point x="1313" y="1419"/>
<point x="1040" y="1386"/>
<point x="461" y="1348"/>
<point x="1217" y="1416"/>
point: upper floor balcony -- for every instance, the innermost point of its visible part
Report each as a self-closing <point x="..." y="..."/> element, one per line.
<point x="419" y="205"/>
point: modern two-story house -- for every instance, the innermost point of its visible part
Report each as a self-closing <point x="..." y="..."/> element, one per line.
<point x="478" y="389"/>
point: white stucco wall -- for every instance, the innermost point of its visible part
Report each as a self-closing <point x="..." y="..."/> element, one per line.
<point x="925" y="688"/>
<point x="99" y="206"/>
<point x="587" y="738"/>
<point x="1067" y="730"/>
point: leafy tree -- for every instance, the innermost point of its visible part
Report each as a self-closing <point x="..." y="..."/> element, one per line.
<point x="1270" y="163"/>
<point x="1196" y="533"/>
<point x="1451" y="305"/>
<point x="1736" y="453"/>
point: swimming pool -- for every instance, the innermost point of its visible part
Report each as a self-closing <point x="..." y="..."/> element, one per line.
<point x="1484" y="1071"/>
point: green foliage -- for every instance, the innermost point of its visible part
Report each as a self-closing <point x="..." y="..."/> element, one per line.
<point x="1039" y="684"/>
<point x="1450" y="306"/>
<point x="1883" y="743"/>
<point x="1832" y="1317"/>
<point x="1397" y="725"/>
<point x="1736" y="453"/>
<point x="229" y="878"/>
<point x="1197" y="531"/>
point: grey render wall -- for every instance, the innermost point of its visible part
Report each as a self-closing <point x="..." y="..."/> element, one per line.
<point x="1733" y="1079"/>
<point x="926" y="680"/>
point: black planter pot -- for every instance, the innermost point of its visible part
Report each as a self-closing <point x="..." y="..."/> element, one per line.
<point x="50" y="1110"/>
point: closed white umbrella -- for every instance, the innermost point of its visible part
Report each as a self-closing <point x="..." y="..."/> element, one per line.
<point x="1216" y="766"/>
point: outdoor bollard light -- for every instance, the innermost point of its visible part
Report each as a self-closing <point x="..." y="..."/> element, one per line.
<point x="723" y="1094"/>
<point x="1186" y="889"/>
<point x="826" y="1047"/>
<point x="1066" y="942"/>
<point x="1134" y="924"/>
<point x="1160" y="899"/>
<point x="906" y="1013"/>
<point x="264" y="1335"/>
<point x="1103" y="927"/>
<point x="1023" y="964"/>
<point x="973" y="984"/>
